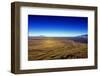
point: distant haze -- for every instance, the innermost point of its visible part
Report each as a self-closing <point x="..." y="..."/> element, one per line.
<point x="85" y="36"/>
<point x="57" y="26"/>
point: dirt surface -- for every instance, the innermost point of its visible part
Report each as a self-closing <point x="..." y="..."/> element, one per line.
<point x="53" y="48"/>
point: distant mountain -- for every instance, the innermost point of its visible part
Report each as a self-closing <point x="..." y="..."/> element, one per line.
<point x="83" y="36"/>
<point x="38" y="36"/>
<point x="41" y="36"/>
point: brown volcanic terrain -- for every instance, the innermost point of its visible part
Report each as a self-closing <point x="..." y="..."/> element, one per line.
<point x="45" y="48"/>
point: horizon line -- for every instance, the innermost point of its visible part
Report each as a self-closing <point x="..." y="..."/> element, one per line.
<point x="55" y="36"/>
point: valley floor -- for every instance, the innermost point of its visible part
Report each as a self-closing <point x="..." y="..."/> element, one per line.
<point x="52" y="48"/>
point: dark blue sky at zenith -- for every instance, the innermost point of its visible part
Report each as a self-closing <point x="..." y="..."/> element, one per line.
<point x="57" y="26"/>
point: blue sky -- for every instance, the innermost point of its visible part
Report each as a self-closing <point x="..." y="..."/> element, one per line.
<point x="57" y="26"/>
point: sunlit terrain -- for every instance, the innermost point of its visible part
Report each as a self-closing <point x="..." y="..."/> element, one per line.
<point x="55" y="48"/>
